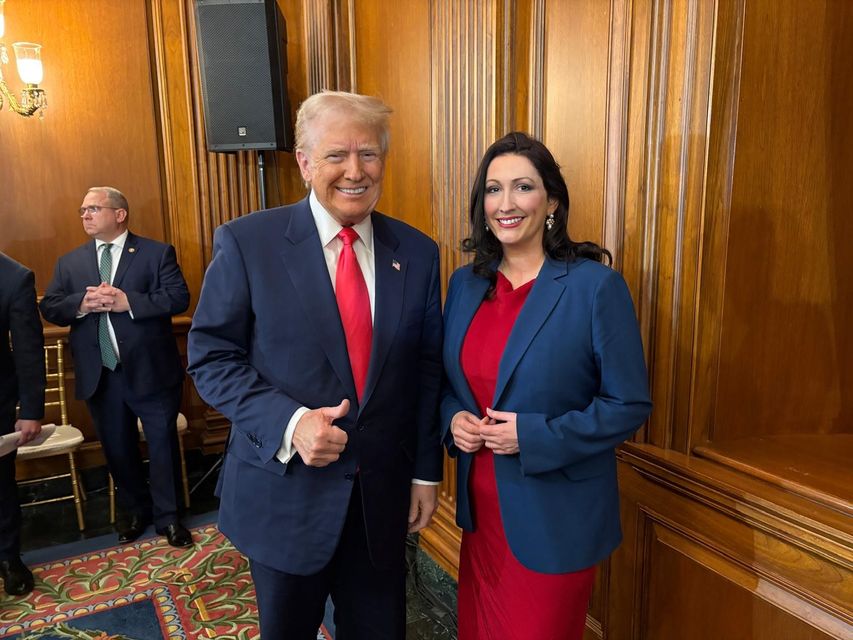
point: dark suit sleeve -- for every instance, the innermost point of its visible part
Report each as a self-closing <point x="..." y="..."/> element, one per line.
<point x="171" y="297"/>
<point x="450" y="404"/>
<point x="428" y="463"/>
<point x="218" y="353"/>
<point x="621" y="405"/>
<point x="28" y="348"/>
<point x="59" y="305"/>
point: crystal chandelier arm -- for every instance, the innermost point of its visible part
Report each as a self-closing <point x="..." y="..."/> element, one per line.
<point x="28" y="108"/>
<point x="28" y="56"/>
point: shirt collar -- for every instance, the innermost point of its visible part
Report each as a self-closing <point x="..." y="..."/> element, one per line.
<point x="119" y="242"/>
<point x="329" y="228"/>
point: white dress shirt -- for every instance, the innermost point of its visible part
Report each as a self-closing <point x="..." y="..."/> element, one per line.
<point x="328" y="229"/>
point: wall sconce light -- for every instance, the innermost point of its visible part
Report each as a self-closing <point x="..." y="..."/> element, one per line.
<point x="31" y="71"/>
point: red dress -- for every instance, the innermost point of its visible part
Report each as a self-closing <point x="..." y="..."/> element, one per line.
<point x="499" y="598"/>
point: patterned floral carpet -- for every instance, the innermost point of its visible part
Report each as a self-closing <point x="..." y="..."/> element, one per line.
<point x="143" y="591"/>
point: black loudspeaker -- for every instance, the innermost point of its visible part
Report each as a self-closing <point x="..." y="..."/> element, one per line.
<point x="242" y="54"/>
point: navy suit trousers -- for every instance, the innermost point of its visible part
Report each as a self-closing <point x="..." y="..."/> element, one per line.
<point x="10" y="509"/>
<point x="115" y="410"/>
<point x="370" y="604"/>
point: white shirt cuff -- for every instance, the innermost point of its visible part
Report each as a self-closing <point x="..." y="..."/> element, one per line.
<point x="286" y="451"/>
<point x="428" y="483"/>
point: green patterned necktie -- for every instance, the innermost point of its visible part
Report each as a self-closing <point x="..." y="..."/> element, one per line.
<point x="108" y="354"/>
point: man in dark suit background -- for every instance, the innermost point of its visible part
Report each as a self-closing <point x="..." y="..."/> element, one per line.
<point x="118" y="292"/>
<point x="21" y="379"/>
<point x="318" y="335"/>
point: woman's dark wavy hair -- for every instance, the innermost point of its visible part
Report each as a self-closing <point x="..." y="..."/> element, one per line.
<point x="556" y="242"/>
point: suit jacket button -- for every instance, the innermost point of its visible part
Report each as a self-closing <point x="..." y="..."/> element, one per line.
<point x="349" y="476"/>
<point x="360" y="427"/>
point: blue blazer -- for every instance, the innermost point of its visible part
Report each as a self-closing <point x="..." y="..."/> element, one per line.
<point x="267" y="338"/>
<point x="148" y="273"/>
<point x="573" y="371"/>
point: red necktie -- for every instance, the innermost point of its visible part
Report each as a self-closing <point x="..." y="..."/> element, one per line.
<point x="354" y="305"/>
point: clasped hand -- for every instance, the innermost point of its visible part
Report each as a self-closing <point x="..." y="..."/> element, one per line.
<point x="104" y="298"/>
<point x="497" y="430"/>
<point x="317" y="440"/>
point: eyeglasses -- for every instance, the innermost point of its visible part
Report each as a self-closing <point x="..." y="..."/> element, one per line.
<point x="93" y="209"/>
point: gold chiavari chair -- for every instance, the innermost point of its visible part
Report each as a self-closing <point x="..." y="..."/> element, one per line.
<point x="64" y="441"/>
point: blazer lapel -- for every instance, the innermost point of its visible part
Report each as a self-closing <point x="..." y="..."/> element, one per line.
<point x="541" y="300"/>
<point x="127" y="255"/>
<point x="390" y="270"/>
<point x="306" y="266"/>
<point x="467" y="302"/>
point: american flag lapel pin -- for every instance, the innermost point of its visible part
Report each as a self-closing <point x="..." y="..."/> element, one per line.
<point x="395" y="264"/>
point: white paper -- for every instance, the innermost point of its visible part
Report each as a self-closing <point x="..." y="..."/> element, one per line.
<point x="9" y="442"/>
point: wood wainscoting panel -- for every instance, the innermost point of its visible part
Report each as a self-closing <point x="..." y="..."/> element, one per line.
<point x="320" y="39"/>
<point x="463" y="97"/>
<point x="683" y="577"/>
<point x="392" y="62"/>
<point x="787" y="326"/>
<point x="658" y="108"/>
<point x="283" y="180"/>
<point x="575" y="86"/>
<point x="710" y="553"/>
<point x="169" y="26"/>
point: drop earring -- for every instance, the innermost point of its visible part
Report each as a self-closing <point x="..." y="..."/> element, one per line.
<point x="549" y="221"/>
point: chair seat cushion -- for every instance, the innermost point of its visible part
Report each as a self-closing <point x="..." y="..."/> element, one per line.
<point x="65" y="439"/>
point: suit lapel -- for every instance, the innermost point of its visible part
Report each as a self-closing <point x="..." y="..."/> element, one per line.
<point x="305" y="264"/>
<point x="93" y="271"/>
<point x="390" y="270"/>
<point x="127" y="255"/>
<point x="467" y="302"/>
<point x="541" y="300"/>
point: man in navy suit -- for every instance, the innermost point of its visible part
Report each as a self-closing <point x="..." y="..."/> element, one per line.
<point x="318" y="335"/>
<point x="21" y="379"/>
<point x="119" y="292"/>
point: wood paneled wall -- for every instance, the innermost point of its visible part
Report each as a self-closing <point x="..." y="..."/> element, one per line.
<point x="790" y="229"/>
<point x="99" y="129"/>
<point x="726" y="213"/>
<point x="393" y="31"/>
<point x="575" y="106"/>
<point x="706" y="144"/>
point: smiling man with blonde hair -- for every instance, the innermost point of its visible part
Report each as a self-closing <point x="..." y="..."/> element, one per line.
<point x="318" y="334"/>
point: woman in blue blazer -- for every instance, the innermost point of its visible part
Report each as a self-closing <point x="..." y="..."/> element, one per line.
<point x="545" y="377"/>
